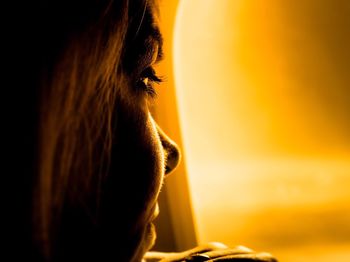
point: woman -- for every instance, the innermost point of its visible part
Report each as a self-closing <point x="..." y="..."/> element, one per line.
<point x="100" y="159"/>
<point x="93" y="155"/>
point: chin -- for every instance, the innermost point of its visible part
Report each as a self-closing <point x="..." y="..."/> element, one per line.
<point x="147" y="242"/>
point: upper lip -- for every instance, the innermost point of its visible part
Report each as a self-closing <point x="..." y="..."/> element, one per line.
<point x="155" y="212"/>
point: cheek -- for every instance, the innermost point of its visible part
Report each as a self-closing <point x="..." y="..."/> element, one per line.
<point x="137" y="162"/>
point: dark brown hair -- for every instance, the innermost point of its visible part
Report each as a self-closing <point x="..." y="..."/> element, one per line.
<point x="74" y="78"/>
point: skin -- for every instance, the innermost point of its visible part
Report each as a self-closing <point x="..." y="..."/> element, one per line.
<point x="142" y="151"/>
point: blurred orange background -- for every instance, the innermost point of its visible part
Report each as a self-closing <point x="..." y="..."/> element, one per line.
<point x="262" y="92"/>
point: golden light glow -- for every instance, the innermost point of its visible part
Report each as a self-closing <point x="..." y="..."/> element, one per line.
<point x="263" y="89"/>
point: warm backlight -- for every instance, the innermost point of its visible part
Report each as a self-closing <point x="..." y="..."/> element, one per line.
<point x="264" y="99"/>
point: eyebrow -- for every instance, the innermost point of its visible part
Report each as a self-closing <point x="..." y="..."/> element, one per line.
<point x="151" y="44"/>
<point x="157" y="36"/>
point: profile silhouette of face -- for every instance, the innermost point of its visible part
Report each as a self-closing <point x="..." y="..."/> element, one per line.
<point x="142" y="154"/>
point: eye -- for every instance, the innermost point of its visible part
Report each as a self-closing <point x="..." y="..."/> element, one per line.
<point x="147" y="80"/>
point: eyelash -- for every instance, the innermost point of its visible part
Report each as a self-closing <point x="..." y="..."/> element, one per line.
<point x="147" y="79"/>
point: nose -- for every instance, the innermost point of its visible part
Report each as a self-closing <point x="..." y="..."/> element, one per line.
<point x="171" y="149"/>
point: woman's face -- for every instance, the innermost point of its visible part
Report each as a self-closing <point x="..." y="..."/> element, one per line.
<point x="142" y="154"/>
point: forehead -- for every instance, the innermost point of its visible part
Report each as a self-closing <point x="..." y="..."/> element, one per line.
<point x="143" y="37"/>
<point x="149" y="23"/>
<point x="143" y="17"/>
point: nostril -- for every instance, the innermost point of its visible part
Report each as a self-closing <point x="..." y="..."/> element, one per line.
<point x="167" y="169"/>
<point x="173" y="159"/>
